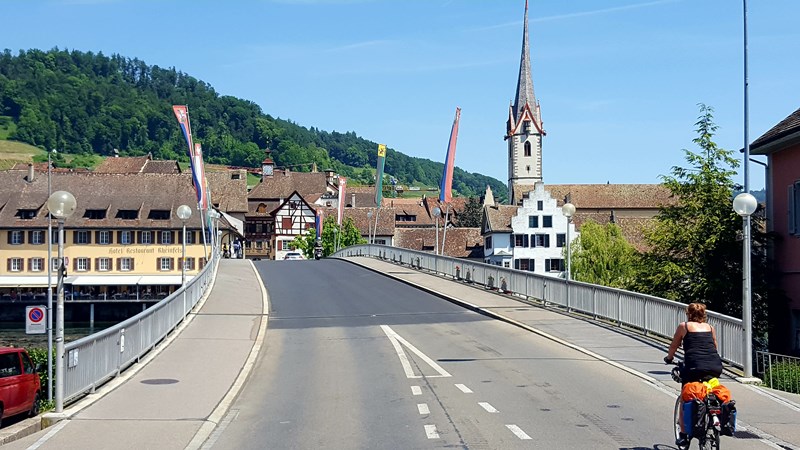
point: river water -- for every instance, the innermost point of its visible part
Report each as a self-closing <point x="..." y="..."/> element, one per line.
<point x="14" y="335"/>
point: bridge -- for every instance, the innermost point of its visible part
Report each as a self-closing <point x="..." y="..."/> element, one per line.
<point x="392" y="350"/>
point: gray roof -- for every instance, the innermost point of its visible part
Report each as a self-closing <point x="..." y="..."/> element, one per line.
<point x="283" y="183"/>
<point x="525" y="93"/>
<point x="784" y="129"/>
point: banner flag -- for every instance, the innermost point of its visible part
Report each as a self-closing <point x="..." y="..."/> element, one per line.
<point x="446" y="187"/>
<point x="199" y="177"/>
<point x="379" y="174"/>
<point x="182" y="114"/>
<point x="342" y="186"/>
<point x="318" y="223"/>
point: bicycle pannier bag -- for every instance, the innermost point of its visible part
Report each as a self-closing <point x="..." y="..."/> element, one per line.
<point x="693" y="391"/>
<point x="728" y="419"/>
<point x="694" y="418"/>
<point x="722" y="393"/>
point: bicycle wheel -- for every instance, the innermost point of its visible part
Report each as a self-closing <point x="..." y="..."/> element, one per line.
<point x="677" y="421"/>
<point x="710" y="440"/>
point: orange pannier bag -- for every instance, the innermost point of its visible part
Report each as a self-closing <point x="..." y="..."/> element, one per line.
<point x="693" y="391"/>
<point x="722" y="393"/>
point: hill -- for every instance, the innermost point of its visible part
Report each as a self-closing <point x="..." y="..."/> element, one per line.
<point x="87" y="103"/>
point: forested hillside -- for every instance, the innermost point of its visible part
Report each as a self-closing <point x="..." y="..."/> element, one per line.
<point x="82" y="102"/>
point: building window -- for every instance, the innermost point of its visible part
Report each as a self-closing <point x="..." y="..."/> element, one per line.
<point x="521" y="240"/>
<point x="26" y="214"/>
<point x="166" y="237"/>
<point x="54" y="264"/>
<point x="189" y="264"/>
<point x="488" y="242"/>
<point x="542" y="240"/>
<point x="146" y="238"/>
<point x="103" y="264"/>
<point x="126" y="264"/>
<point x="125" y="237"/>
<point x="286" y="223"/>
<point x="561" y="240"/>
<point x="127" y="214"/>
<point x="37" y="237"/>
<point x="104" y="237"/>
<point x="524" y="264"/>
<point x="81" y="264"/>
<point x="554" y="265"/>
<point x="158" y="214"/>
<point x="190" y="237"/>
<point x="15" y="264"/>
<point x="17" y="237"/>
<point x="165" y="264"/>
<point x="540" y="205"/>
<point x="533" y="221"/>
<point x="82" y="237"/>
<point x="95" y="214"/>
<point x="547" y="221"/>
<point x="37" y="264"/>
<point x="506" y="263"/>
<point x="527" y="148"/>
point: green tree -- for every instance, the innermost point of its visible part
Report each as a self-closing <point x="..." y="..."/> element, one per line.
<point x="472" y="216"/>
<point x="305" y="242"/>
<point x="695" y="255"/>
<point x="601" y="255"/>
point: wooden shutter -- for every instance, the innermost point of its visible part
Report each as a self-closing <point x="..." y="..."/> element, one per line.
<point x="97" y="263"/>
<point x="75" y="264"/>
<point x="97" y="236"/>
<point x="75" y="237"/>
<point x="180" y="263"/>
<point x="30" y="237"/>
<point x="119" y="263"/>
<point x="172" y="264"/>
<point x="138" y="237"/>
<point x="180" y="237"/>
<point x="11" y="232"/>
<point x="158" y="237"/>
<point x="8" y="264"/>
<point x="89" y="264"/>
<point x="110" y="237"/>
<point x="172" y="237"/>
<point x="133" y="264"/>
<point x="89" y="237"/>
<point x="119" y="237"/>
<point x="30" y="264"/>
<point x="547" y="240"/>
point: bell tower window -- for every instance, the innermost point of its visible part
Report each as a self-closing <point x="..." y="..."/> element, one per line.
<point x="527" y="148"/>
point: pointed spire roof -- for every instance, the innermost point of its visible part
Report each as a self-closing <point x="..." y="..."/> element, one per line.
<point x="488" y="197"/>
<point x="525" y="96"/>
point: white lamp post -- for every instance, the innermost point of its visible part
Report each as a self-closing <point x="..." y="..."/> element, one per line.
<point x="61" y="205"/>
<point x="745" y="204"/>
<point x="184" y="213"/>
<point x="369" y="227"/>
<point x="568" y="210"/>
<point x="49" y="284"/>
<point x="437" y="212"/>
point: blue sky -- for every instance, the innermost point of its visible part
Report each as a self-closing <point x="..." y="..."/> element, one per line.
<point x="618" y="80"/>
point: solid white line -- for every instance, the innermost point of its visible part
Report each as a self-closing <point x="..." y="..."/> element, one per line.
<point x="518" y="431"/>
<point x="432" y="363"/>
<point x="49" y="434"/>
<point x="416" y="390"/>
<point x="464" y="389"/>
<point x="430" y="430"/>
<point x="423" y="408"/>
<point x="400" y="353"/>
<point x="771" y="444"/>
<point x="487" y="407"/>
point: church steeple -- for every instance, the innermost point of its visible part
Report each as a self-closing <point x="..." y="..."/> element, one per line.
<point x="524" y="129"/>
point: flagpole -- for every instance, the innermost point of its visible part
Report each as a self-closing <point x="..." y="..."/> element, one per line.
<point x="446" y="218"/>
<point x="203" y="227"/>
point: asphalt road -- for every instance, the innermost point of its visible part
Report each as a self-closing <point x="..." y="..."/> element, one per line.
<point x="353" y="360"/>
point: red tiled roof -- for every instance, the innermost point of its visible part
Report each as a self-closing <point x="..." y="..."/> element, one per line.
<point x="123" y="164"/>
<point x="282" y="184"/>
<point x="458" y="242"/>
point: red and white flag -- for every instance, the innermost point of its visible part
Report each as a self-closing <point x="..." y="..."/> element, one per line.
<point x="342" y="185"/>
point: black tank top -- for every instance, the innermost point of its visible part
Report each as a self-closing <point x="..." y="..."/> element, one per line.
<point x="700" y="354"/>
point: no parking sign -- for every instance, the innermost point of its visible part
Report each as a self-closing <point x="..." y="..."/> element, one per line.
<point x="35" y="322"/>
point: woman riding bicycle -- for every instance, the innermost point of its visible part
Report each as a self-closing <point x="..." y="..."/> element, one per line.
<point x="700" y="357"/>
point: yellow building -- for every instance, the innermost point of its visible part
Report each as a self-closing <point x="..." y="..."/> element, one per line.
<point x="123" y="241"/>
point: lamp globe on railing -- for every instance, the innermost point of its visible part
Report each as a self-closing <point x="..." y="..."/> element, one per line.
<point x="184" y="213"/>
<point x="745" y="204"/>
<point x="61" y="205"/>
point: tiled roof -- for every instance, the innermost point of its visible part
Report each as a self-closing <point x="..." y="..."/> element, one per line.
<point x="785" y="127"/>
<point x="458" y="243"/>
<point x="42" y="167"/>
<point x="612" y="196"/>
<point x="269" y="206"/>
<point x="499" y="217"/>
<point x="362" y="221"/>
<point x="127" y="164"/>
<point x="161" y="167"/>
<point x="282" y="184"/>
<point x="229" y="193"/>
<point x="112" y="192"/>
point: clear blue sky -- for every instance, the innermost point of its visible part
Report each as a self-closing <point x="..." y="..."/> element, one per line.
<point x="618" y="80"/>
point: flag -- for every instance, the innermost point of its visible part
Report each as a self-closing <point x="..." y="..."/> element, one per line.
<point x="446" y="187"/>
<point x="318" y="223"/>
<point x="342" y="185"/>
<point x="182" y="114"/>
<point x="199" y="178"/>
<point x="379" y="174"/>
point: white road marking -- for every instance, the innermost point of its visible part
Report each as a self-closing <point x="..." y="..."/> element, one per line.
<point x="56" y="428"/>
<point x="773" y="397"/>
<point x="487" y="407"/>
<point x="430" y="430"/>
<point x="397" y="340"/>
<point x="416" y="390"/>
<point x="423" y="408"/>
<point x="464" y="389"/>
<point x="518" y="431"/>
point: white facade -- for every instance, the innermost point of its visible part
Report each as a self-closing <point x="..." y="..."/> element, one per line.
<point x="539" y="234"/>
<point x="497" y="249"/>
<point x="293" y="218"/>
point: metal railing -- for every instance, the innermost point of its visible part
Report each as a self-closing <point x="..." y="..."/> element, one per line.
<point x="779" y="371"/>
<point x="644" y="313"/>
<point x="95" y="359"/>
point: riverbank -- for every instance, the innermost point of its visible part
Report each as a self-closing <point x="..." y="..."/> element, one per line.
<point x="12" y="335"/>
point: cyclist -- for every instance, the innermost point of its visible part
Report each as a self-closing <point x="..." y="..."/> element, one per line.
<point x="700" y="357"/>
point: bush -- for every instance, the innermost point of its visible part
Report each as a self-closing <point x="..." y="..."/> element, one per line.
<point x="784" y="376"/>
<point x="39" y="357"/>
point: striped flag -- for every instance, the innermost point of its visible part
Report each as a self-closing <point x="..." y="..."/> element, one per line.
<point x="379" y="174"/>
<point x="199" y="178"/>
<point x="182" y="114"/>
<point x="342" y="185"/>
<point x="446" y="186"/>
<point x="318" y="222"/>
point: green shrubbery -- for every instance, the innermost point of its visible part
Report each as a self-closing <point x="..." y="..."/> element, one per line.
<point x="783" y="376"/>
<point x="39" y="358"/>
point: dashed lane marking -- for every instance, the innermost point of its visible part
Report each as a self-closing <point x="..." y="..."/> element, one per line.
<point x="416" y="390"/>
<point x="518" y="432"/>
<point x="464" y="389"/>
<point x="430" y="431"/>
<point x="487" y="407"/>
<point x="423" y="408"/>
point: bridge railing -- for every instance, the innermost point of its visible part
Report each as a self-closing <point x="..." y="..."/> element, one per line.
<point x="644" y="313"/>
<point x="95" y="359"/>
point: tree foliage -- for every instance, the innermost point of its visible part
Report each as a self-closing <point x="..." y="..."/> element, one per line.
<point x="350" y="235"/>
<point x="472" y="215"/>
<point x="601" y="255"/>
<point x="84" y="102"/>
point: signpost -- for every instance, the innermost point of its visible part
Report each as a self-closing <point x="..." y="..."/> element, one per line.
<point x="35" y="320"/>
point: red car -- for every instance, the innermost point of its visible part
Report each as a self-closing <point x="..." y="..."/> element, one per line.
<point x="19" y="383"/>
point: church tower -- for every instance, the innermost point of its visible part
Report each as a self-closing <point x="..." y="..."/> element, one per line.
<point x="524" y="130"/>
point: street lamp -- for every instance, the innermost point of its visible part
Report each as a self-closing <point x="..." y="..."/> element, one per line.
<point x="437" y="212"/>
<point x="745" y="204"/>
<point x="184" y="213"/>
<point x="49" y="284"/>
<point x="61" y="205"/>
<point x="568" y="210"/>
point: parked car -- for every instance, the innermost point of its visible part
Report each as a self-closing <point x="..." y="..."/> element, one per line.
<point x="293" y="255"/>
<point x="19" y="383"/>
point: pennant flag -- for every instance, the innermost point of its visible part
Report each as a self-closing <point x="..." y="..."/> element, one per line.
<point x="446" y="187"/>
<point x="199" y="178"/>
<point x="318" y="223"/>
<point x="379" y="174"/>
<point x="182" y="114"/>
<point x="342" y="185"/>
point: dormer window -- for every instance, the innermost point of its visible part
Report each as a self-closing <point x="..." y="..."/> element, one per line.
<point x="26" y="214"/>
<point x="95" y="214"/>
<point x="127" y="214"/>
<point x="158" y="214"/>
<point x="235" y="176"/>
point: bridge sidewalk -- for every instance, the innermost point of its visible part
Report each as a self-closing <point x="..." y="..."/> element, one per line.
<point x="174" y="398"/>
<point x="764" y="412"/>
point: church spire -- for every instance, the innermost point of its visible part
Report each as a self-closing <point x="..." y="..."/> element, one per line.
<point x="525" y="96"/>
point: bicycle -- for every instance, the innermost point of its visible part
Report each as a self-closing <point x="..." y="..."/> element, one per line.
<point x="708" y="430"/>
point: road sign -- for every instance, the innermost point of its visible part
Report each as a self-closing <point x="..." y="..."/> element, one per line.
<point x="35" y="322"/>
